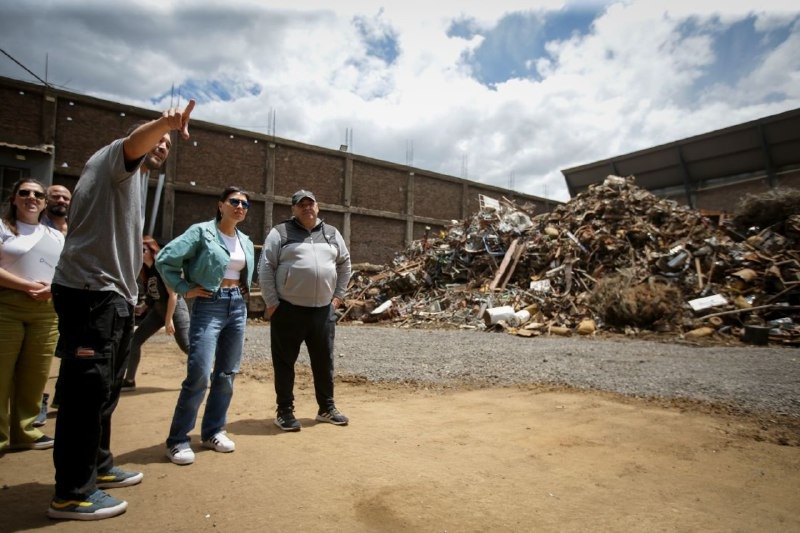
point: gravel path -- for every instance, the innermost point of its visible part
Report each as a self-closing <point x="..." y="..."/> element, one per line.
<point x="758" y="379"/>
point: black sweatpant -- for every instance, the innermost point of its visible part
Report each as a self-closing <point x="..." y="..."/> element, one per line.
<point x="95" y="331"/>
<point x="290" y="326"/>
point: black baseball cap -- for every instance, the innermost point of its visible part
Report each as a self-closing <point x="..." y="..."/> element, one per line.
<point x="302" y="193"/>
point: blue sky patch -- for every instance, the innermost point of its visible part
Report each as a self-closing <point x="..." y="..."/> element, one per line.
<point x="738" y="49"/>
<point x="204" y="91"/>
<point x="511" y="48"/>
<point x="382" y="45"/>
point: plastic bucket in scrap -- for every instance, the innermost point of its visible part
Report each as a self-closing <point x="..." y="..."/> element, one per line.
<point x="496" y="314"/>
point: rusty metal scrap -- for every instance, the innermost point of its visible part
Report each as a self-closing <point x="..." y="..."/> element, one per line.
<point x="615" y="255"/>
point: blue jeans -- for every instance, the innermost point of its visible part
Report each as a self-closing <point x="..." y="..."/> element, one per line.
<point x="216" y="339"/>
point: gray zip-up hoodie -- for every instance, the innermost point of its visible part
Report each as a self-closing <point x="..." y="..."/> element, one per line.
<point x="308" y="270"/>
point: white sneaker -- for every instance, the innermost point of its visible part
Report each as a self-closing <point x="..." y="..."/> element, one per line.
<point x="220" y="443"/>
<point x="181" y="454"/>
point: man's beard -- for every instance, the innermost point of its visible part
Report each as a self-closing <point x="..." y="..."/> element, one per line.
<point x="57" y="211"/>
<point x="151" y="162"/>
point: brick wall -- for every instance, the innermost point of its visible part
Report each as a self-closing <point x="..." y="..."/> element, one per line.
<point x="218" y="159"/>
<point x="727" y="198"/>
<point x="20" y="116"/>
<point x="378" y="206"/>
<point x="82" y="128"/>
<point x="379" y="188"/>
<point x="299" y="168"/>
<point x="375" y="239"/>
<point x="790" y="179"/>
<point x="435" y="198"/>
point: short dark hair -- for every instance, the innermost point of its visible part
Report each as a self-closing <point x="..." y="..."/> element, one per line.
<point x="135" y="125"/>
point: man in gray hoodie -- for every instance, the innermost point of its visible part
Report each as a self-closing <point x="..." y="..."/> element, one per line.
<point x="303" y="273"/>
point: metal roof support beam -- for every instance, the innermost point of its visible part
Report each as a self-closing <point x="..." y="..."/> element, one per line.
<point x="768" y="166"/>
<point x="571" y="189"/>
<point x="687" y="179"/>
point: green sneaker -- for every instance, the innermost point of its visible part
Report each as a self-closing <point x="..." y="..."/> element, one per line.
<point x="96" y="507"/>
<point x="116" y="477"/>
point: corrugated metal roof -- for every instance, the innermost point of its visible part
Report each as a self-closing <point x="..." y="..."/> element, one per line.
<point x="764" y="146"/>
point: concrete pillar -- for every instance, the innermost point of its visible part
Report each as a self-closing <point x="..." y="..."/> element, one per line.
<point x="269" y="186"/>
<point x="410" y="208"/>
<point x="168" y="199"/>
<point x="348" y="197"/>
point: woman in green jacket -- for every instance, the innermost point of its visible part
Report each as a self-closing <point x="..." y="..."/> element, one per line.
<point x="213" y="263"/>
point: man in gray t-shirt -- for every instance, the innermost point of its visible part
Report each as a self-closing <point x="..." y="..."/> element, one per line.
<point x="94" y="290"/>
<point x="103" y="251"/>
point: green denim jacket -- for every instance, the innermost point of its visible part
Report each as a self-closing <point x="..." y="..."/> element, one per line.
<point x="199" y="257"/>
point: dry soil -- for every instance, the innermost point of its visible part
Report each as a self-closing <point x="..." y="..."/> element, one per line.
<point x="426" y="459"/>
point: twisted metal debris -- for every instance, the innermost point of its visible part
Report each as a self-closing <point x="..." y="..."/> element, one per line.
<point x="614" y="258"/>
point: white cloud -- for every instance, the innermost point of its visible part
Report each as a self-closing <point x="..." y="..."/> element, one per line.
<point x="628" y="81"/>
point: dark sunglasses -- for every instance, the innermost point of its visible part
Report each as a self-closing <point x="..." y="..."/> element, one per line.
<point x="235" y="202"/>
<point x="24" y="193"/>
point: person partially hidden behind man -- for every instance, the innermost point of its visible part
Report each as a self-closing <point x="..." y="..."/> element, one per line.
<point x="55" y="216"/>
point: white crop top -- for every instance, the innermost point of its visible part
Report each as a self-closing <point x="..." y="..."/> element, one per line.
<point x="237" y="256"/>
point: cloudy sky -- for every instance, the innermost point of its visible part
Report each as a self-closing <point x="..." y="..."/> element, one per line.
<point x="506" y="92"/>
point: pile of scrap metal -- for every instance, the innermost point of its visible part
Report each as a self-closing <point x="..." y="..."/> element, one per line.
<point x="615" y="258"/>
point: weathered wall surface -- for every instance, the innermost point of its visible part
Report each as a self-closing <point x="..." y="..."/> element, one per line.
<point x="727" y="196"/>
<point x="378" y="206"/>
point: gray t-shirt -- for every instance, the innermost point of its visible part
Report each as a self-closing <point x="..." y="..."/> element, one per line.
<point x="103" y="249"/>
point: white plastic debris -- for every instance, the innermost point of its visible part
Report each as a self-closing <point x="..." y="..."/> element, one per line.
<point x="383" y="307"/>
<point x="698" y="304"/>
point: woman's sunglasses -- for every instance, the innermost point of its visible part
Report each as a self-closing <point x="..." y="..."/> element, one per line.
<point x="235" y="202"/>
<point x="24" y="193"/>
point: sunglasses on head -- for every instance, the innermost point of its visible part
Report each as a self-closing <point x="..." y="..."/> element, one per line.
<point x="235" y="202"/>
<point x="24" y="193"/>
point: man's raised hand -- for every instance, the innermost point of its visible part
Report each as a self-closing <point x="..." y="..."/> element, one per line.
<point x="179" y="120"/>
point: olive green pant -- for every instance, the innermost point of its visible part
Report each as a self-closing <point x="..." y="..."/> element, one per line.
<point x="29" y="331"/>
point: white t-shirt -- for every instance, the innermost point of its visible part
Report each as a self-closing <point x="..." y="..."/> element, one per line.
<point x="33" y="254"/>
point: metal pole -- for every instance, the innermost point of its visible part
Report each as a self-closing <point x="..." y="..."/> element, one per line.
<point x="156" y="202"/>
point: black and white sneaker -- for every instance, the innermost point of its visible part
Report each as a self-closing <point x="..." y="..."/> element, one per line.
<point x="180" y="454"/>
<point x="42" y="443"/>
<point x="220" y="442"/>
<point x="286" y="420"/>
<point x="332" y="416"/>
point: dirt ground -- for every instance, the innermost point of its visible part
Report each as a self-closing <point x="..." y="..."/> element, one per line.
<point x="417" y="459"/>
